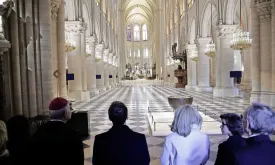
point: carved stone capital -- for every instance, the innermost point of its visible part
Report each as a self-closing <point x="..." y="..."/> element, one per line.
<point x="54" y="9"/>
<point x="99" y="47"/>
<point x="91" y="40"/>
<point x="75" y="27"/>
<point x="264" y="9"/>
<point x="227" y="30"/>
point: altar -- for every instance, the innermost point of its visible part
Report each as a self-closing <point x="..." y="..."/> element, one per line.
<point x="160" y="122"/>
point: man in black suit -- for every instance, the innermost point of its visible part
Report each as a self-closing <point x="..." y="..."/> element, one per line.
<point x="120" y="145"/>
<point x="55" y="143"/>
<point x="259" y="123"/>
<point x="231" y="126"/>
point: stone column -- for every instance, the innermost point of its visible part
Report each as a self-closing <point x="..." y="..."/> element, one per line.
<point x="4" y="46"/>
<point x="111" y="70"/>
<point x="75" y="61"/>
<point x="225" y="84"/>
<point x="273" y="55"/>
<point x="246" y="80"/>
<point x="106" y="68"/>
<point x="203" y="66"/>
<point x="91" y="67"/>
<point x="46" y="53"/>
<point x="192" y="69"/>
<point x="100" y="68"/>
<point x="255" y="55"/>
<point x="54" y="42"/>
<point x="61" y="55"/>
<point x="264" y="13"/>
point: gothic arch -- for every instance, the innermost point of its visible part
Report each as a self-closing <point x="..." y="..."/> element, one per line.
<point x="205" y="19"/>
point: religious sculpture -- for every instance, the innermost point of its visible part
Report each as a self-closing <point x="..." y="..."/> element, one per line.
<point x="174" y="48"/>
<point x="181" y="75"/>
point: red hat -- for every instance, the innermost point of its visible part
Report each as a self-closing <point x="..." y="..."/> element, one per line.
<point x="58" y="103"/>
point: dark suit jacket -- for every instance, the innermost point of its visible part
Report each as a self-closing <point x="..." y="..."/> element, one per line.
<point x="227" y="148"/>
<point x="55" y="143"/>
<point x="120" y="146"/>
<point x="260" y="150"/>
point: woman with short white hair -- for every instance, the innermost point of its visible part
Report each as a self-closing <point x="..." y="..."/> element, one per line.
<point x="187" y="145"/>
<point x="259" y="123"/>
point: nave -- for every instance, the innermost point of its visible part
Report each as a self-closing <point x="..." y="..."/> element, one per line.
<point x="138" y="98"/>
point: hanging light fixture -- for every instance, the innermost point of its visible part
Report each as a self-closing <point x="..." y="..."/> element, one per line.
<point x="194" y="55"/>
<point x="241" y="40"/>
<point x="69" y="43"/>
<point x="88" y="51"/>
<point x="210" y="50"/>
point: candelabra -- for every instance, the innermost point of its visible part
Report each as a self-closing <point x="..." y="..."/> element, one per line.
<point x="210" y="50"/>
<point x="194" y="56"/>
<point x="69" y="43"/>
<point x="241" y="41"/>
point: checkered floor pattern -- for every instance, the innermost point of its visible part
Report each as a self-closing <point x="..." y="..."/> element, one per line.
<point x="141" y="98"/>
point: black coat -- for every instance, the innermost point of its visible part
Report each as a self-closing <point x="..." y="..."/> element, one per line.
<point x="54" y="144"/>
<point x="5" y="160"/>
<point x="227" y="148"/>
<point x="120" y="146"/>
<point x="260" y="150"/>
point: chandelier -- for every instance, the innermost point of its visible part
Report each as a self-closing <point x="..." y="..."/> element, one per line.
<point x="194" y="56"/>
<point x="88" y="51"/>
<point x="69" y="43"/>
<point x="210" y="50"/>
<point x="241" y="40"/>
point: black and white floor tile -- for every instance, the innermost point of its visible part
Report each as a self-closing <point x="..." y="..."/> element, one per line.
<point x="141" y="98"/>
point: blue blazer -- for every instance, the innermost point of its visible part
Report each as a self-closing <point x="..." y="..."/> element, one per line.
<point x="260" y="150"/>
<point x="227" y="148"/>
<point x="120" y="146"/>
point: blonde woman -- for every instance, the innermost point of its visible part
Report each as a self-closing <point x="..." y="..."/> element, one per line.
<point x="186" y="145"/>
<point x="4" y="154"/>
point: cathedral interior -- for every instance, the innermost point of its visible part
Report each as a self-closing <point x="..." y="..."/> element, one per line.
<point x="140" y="52"/>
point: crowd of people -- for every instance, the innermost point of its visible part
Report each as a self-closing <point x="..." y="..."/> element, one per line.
<point x="56" y="143"/>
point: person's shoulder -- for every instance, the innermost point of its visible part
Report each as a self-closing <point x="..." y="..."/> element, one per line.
<point x="172" y="136"/>
<point x="136" y="134"/>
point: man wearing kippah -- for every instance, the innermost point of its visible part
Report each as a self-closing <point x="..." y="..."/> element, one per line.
<point x="55" y="143"/>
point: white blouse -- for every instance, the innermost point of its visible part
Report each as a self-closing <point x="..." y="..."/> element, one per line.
<point x="191" y="150"/>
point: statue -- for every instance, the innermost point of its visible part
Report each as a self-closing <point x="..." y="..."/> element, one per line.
<point x="179" y="67"/>
<point x="174" y="48"/>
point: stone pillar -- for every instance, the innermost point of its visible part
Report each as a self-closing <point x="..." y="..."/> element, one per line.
<point x="46" y="53"/>
<point x="225" y="58"/>
<point x="75" y="61"/>
<point x="255" y="55"/>
<point x="15" y="64"/>
<point x="203" y="66"/>
<point x="91" y="67"/>
<point x="106" y="68"/>
<point x="100" y="68"/>
<point x="246" y="80"/>
<point x="54" y="42"/>
<point x="61" y="56"/>
<point x="4" y="45"/>
<point x="273" y="55"/>
<point x="111" y="70"/>
<point x="192" y="68"/>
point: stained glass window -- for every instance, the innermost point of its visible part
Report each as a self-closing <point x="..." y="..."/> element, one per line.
<point x="129" y="34"/>
<point x="136" y="33"/>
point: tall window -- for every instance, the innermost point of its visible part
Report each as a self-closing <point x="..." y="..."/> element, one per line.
<point x="145" y="52"/>
<point x="130" y="53"/>
<point x="138" y="53"/>
<point x="145" y="32"/>
<point x="136" y="33"/>
<point x="129" y="34"/>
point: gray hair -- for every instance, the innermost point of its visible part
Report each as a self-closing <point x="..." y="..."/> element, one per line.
<point x="3" y="135"/>
<point x="261" y="118"/>
<point x="184" y="119"/>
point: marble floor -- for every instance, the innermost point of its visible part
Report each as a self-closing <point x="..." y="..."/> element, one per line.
<point x="141" y="98"/>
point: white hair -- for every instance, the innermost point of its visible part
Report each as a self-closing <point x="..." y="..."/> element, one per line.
<point x="184" y="120"/>
<point x="3" y="135"/>
<point x="261" y="118"/>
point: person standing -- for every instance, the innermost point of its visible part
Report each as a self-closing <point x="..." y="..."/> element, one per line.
<point x="120" y="145"/>
<point x="56" y="143"/>
<point x="231" y="126"/>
